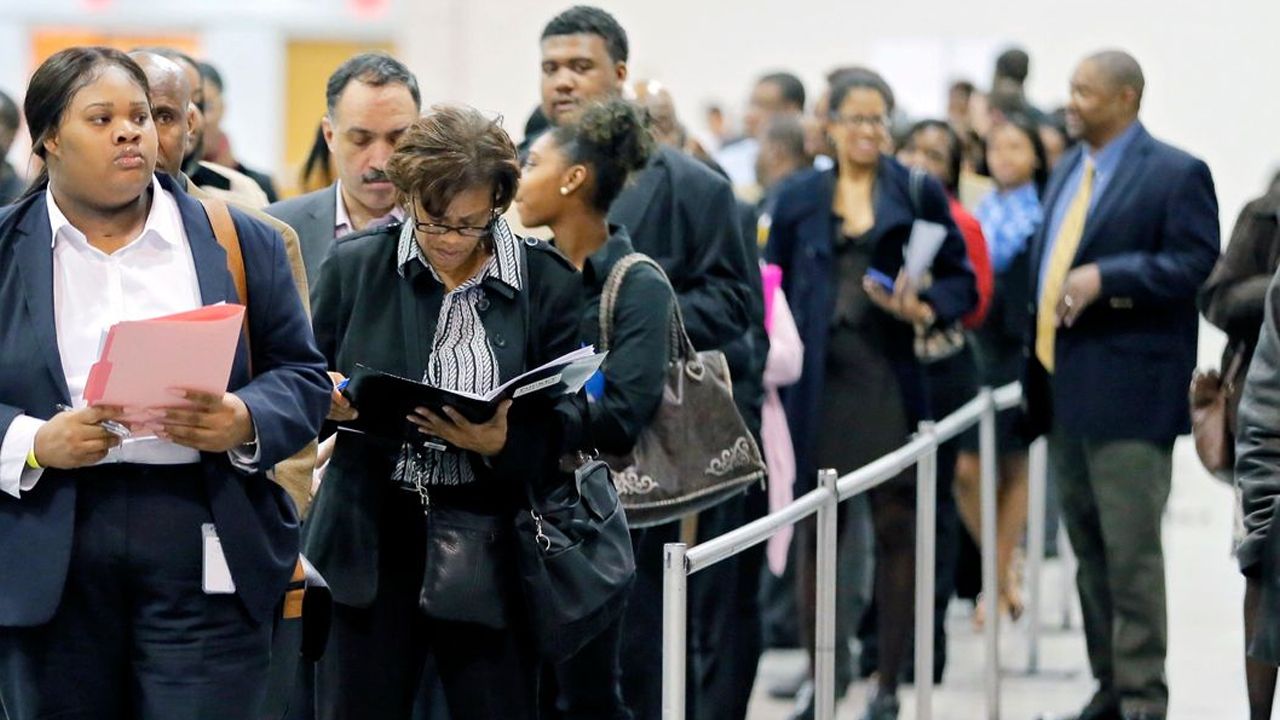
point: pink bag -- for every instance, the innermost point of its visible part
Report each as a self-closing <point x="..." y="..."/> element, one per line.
<point x="784" y="366"/>
<point x="771" y="278"/>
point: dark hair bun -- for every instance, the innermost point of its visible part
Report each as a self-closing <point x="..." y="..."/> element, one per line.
<point x="619" y="131"/>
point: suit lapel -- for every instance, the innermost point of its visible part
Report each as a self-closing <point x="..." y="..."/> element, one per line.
<point x="1052" y="193"/>
<point x="630" y="208"/>
<point x="34" y="254"/>
<point x="1131" y="166"/>
<point x="209" y="257"/>
<point x="323" y="212"/>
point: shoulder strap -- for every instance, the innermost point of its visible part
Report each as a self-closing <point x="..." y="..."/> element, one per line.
<point x="681" y="346"/>
<point x="916" y="191"/>
<point x="224" y="229"/>
<point x="609" y="295"/>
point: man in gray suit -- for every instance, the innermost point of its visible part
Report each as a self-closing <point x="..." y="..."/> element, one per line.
<point x="371" y="99"/>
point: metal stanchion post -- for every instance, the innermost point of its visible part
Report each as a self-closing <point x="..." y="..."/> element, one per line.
<point x="1037" y="477"/>
<point x="1067" y="555"/>
<point x="824" y="676"/>
<point x="926" y="538"/>
<point x="990" y="582"/>
<point x="675" y="585"/>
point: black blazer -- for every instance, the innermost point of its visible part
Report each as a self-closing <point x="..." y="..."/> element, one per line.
<point x="288" y="397"/>
<point x="360" y="315"/>
<point x="1123" y="370"/>
<point x="683" y="215"/>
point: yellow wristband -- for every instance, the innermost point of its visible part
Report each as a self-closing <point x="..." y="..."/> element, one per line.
<point x="31" y="460"/>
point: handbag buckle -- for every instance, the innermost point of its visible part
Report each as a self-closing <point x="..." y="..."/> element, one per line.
<point x="543" y="541"/>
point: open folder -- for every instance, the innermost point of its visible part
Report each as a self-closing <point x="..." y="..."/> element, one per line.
<point x="142" y="361"/>
<point x="385" y="401"/>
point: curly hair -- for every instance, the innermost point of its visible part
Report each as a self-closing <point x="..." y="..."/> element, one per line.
<point x="452" y="149"/>
<point x="613" y="138"/>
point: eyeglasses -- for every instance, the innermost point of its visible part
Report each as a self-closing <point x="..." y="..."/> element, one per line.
<point x="471" y="231"/>
<point x="870" y="121"/>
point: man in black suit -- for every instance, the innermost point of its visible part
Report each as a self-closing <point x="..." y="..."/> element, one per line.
<point x="1130" y="234"/>
<point x="371" y="99"/>
<point x="683" y="215"/>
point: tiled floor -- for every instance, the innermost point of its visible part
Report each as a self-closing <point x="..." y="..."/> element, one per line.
<point x="1205" y="670"/>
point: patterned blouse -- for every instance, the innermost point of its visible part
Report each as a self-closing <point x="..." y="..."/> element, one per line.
<point x="461" y="358"/>
<point x="1009" y="218"/>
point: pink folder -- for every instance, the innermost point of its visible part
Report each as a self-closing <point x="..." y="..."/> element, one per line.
<point x="143" y="360"/>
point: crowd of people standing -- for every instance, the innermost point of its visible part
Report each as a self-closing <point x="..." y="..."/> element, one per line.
<point x="1074" y="252"/>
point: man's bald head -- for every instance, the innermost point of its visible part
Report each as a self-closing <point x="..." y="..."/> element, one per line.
<point x="1120" y="69"/>
<point x="1106" y="94"/>
<point x="656" y="99"/>
<point x="171" y="107"/>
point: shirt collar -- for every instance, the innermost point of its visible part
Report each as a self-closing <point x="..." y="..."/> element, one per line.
<point x="163" y="220"/>
<point x="342" y="220"/>
<point x="504" y="267"/>
<point x="597" y="266"/>
<point x="1108" y="156"/>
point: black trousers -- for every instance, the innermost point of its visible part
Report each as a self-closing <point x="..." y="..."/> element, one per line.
<point x="723" y="624"/>
<point x="588" y="686"/>
<point x="373" y="664"/>
<point x="135" y="636"/>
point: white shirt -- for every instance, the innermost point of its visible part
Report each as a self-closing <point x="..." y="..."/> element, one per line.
<point x="739" y="161"/>
<point x="342" y="220"/>
<point x="153" y="275"/>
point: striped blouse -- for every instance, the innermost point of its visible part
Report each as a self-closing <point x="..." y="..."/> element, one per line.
<point x="461" y="358"/>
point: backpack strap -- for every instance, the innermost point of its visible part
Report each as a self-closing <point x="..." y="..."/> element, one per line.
<point x="224" y="229"/>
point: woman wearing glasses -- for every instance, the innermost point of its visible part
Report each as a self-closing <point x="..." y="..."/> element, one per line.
<point x="414" y="540"/>
<point x="839" y="236"/>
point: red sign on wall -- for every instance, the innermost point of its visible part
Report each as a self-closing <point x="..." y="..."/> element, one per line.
<point x="367" y="9"/>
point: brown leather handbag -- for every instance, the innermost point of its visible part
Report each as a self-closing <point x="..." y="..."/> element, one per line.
<point x="697" y="451"/>
<point x="1214" y="398"/>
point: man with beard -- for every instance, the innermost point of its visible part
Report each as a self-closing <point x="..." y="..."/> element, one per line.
<point x="371" y="99"/>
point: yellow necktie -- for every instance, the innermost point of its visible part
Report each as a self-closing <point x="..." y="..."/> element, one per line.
<point x="1064" y="253"/>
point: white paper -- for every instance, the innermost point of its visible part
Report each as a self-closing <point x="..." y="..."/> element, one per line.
<point x="923" y="246"/>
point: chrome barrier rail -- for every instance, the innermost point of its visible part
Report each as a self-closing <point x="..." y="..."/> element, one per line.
<point x="682" y="561"/>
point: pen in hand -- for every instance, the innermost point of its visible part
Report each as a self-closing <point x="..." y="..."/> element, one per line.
<point x="111" y="426"/>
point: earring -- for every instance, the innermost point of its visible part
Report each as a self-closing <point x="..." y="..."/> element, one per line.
<point x="564" y="190"/>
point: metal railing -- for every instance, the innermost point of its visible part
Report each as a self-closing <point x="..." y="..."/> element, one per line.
<point x="682" y="561"/>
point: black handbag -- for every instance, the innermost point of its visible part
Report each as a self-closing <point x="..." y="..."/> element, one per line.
<point x="470" y="568"/>
<point x="576" y="562"/>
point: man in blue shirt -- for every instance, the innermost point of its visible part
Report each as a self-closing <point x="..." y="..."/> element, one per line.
<point x="1131" y="233"/>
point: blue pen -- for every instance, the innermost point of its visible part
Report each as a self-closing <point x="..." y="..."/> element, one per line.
<point x="343" y="385"/>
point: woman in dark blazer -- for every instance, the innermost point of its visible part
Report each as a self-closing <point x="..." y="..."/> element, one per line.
<point x="106" y="608"/>
<point x="863" y="390"/>
<point x="572" y="175"/>
<point x="453" y="297"/>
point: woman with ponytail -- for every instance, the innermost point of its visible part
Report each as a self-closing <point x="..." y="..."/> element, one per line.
<point x="571" y="177"/>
